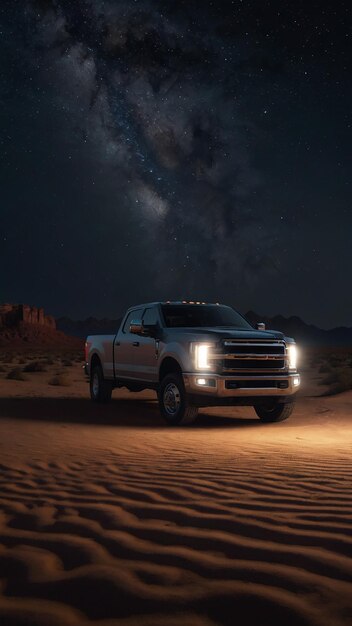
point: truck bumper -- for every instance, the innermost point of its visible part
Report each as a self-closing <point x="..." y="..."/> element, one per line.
<point x="242" y="386"/>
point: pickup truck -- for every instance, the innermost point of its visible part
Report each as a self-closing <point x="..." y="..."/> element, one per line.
<point x="195" y="354"/>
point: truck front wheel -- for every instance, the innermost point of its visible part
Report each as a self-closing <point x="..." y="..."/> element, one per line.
<point x="173" y="401"/>
<point x="275" y="412"/>
<point x="100" y="389"/>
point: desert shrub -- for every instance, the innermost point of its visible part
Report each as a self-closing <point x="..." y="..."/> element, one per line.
<point x="48" y="361"/>
<point x="331" y="378"/>
<point x="60" y="380"/>
<point x="35" y="366"/>
<point x="316" y="361"/>
<point x="325" y="368"/>
<point x="66" y="362"/>
<point x="338" y="381"/>
<point x="21" y="361"/>
<point x="16" y="374"/>
<point x="334" y="360"/>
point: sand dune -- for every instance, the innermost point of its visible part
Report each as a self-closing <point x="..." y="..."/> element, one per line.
<point x="108" y="517"/>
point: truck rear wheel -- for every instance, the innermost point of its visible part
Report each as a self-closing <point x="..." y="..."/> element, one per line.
<point x="173" y="401"/>
<point x="274" y="413"/>
<point x="100" y="389"/>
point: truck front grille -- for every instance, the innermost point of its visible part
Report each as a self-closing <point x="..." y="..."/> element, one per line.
<point x="240" y="364"/>
<point x="253" y="356"/>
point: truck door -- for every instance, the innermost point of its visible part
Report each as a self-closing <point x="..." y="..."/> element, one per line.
<point x="125" y="354"/>
<point x="135" y="355"/>
<point x="147" y="349"/>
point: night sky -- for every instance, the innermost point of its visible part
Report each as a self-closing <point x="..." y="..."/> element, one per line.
<point x="177" y="149"/>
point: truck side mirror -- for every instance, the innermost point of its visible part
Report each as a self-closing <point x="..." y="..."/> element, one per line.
<point x="260" y="326"/>
<point x="136" y="327"/>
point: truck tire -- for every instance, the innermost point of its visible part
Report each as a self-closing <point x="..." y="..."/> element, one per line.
<point x="173" y="401"/>
<point x="275" y="413"/>
<point x="100" y="389"/>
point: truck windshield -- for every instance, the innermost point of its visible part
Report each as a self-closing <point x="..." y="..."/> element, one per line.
<point x="200" y="315"/>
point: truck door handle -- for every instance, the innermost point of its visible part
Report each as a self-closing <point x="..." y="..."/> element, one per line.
<point x="135" y="343"/>
<point x="117" y="343"/>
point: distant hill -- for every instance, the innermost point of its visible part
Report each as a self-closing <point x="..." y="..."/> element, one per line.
<point x="36" y="336"/>
<point x="306" y="334"/>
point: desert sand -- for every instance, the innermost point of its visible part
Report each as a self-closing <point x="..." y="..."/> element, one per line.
<point x="107" y="516"/>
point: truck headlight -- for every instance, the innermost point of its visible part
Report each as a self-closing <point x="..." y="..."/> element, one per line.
<point x="292" y="356"/>
<point x="201" y="356"/>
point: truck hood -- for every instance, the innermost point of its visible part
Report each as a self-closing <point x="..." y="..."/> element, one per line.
<point x="218" y="334"/>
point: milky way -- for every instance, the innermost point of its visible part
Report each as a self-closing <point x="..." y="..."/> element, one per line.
<point x="160" y="115"/>
<point x="137" y="133"/>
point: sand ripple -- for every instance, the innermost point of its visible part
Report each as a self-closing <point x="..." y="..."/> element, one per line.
<point x="265" y="540"/>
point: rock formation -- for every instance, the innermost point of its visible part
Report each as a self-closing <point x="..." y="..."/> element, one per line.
<point x="14" y="314"/>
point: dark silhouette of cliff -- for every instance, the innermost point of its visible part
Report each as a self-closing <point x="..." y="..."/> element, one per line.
<point x="12" y="315"/>
<point x="21" y="324"/>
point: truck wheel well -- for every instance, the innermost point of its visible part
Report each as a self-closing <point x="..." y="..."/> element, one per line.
<point x="168" y="366"/>
<point x="95" y="361"/>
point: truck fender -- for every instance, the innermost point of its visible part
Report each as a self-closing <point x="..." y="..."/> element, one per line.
<point x="179" y="356"/>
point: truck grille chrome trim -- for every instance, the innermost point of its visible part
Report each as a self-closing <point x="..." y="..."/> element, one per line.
<point x="258" y="357"/>
<point x="252" y="356"/>
<point x="256" y="342"/>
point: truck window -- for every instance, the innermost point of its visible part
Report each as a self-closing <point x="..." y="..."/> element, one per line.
<point x="150" y="317"/>
<point x="198" y="316"/>
<point x="133" y="315"/>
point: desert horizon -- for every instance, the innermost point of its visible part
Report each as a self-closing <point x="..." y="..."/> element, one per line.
<point x="22" y="324"/>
